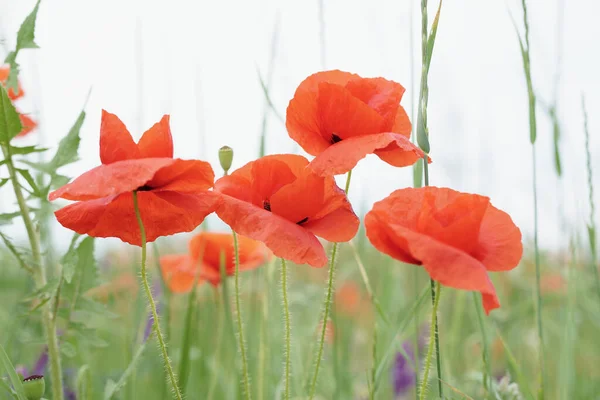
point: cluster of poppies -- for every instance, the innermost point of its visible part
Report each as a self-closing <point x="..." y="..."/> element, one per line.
<point x="283" y="202"/>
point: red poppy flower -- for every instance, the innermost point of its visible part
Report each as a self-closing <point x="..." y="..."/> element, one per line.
<point x="173" y="194"/>
<point x="340" y="117"/>
<point x="204" y="257"/>
<point x="280" y="202"/>
<point x="457" y="237"/>
<point x="28" y="123"/>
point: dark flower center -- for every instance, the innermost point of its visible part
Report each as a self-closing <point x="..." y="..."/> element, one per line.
<point x="302" y="221"/>
<point x="267" y="205"/>
<point x="335" y="138"/>
<point x="144" y="188"/>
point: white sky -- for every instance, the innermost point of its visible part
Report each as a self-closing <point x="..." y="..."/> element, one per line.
<point x="197" y="61"/>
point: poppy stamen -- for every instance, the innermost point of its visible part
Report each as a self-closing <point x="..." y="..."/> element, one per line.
<point x="302" y="221"/>
<point x="267" y="205"/>
<point x="335" y="138"/>
<point x="144" y="188"/>
<point x="33" y="378"/>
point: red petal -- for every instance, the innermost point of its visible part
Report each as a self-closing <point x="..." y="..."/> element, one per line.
<point x="450" y="266"/>
<point x="284" y="238"/>
<point x="268" y="176"/>
<point x="116" y="143"/>
<point x="163" y="213"/>
<point x="340" y="225"/>
<point x="4" y="72"/>
<point x="343" y="156"/>
<point x="157" y="141"/>
<point x="112" y="179"/>
<point x="381" y="95"/>
<point x="344" y="115"/>
<point x="385" y="239"/>
<point x="302" y="117"/>
<point x="402" y="123"/>
<point x="185" y="176"/>
<point x="499" y="247"/>
<point x="301" y="199"/>
<point x="178" y="271"/>
<point x="28" y="125"/>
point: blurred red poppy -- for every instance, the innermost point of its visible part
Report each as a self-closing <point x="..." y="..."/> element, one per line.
<point x="28" y="123"/>
<point x="340" y="117"/>
<point x="457" y="237"/>
<point x="173" y="194"/>
<point x="280" y="202"/>
<point x="204" y="258"/>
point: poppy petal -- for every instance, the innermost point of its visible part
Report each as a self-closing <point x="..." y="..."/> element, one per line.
<point x="286" y="239"/>
<point x="112" y="179"/>
<point x="385" y="239"/>
<point x="402" y="123"/>
<point x="381" y="95"/>
<point x="116" y="143"/>
<point x="302" y="118"/>
<point x="178" y="271"/>
<point x="339" y="226"/>
<point x="269" y="175"/>
<point x="157" y="141"/>
<point x="4" y="72"/>
<point x="185" y="176"/>
<point x="500" y="247"/>
<point x="301" y="199"/>
<point x="343" y="156"/>
<point x="344" y="115"/>
<point x="28" y="125"/>
<point x="163" y="213"/>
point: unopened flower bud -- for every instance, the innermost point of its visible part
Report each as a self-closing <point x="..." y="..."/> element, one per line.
<point x="225" y="158"/>
<point x="34" y="387"/>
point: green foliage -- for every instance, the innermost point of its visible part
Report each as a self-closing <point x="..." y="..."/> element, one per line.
<point x="10" y="123"/>
<point x="25" y="40"/>
<point x="12" y="374"/>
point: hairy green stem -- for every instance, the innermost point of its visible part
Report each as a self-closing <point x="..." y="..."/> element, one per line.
<point x="246" y="378"/>
<point x="432" y="341"/>
<point x="39" y="277"/>
<point x="288" y="329"/>
<point x="328" y="297"/>
<point x="156" y="323"/>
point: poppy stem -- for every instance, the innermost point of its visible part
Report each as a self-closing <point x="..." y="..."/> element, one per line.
<point x="239" y="319"/>
<point x="328" y="297"/>
<point x="218" y="346"/>
<point x="433" y="340"/>
<point x="288" y="328"/>
<point x="38" y="272"/>
<point x="156" y="324"/>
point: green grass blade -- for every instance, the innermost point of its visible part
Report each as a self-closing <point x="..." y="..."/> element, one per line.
<point x="16" y="382"/>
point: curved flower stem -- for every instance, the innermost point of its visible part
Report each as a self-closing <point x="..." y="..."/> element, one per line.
<point x="433" y="340"/>
<point x="239" y="319"/>
<point x="288" y="329"/>
<point x="159" y="335"/>
<point x="328" y="297"/>
<point x="39" y="277"/>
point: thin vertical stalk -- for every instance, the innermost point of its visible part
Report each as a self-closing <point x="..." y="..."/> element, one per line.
<point x="218" y="345"/>
<point x="487" y="375"/>
<point x="322" y="33"/>
<point x="156" y="324"/>
<point x="590" y="182"/>
<point x="245" y="375"/>
<point x="39" y="277"/>
<point x="288" y="329"/>
<point x="327" y="306"/>
<point x="436" y="301"/>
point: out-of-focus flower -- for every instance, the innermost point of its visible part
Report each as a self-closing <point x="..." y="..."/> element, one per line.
<point x="348" y="298"/>
<point x="27" y="123"/>
<point x="403" y="374"/>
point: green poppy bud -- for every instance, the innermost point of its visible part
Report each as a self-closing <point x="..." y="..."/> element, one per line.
<point x="34" y="386"/>
<point x="225" y="158"/>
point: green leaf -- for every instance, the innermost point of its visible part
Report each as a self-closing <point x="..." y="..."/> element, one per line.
<point x="6" y="218"/>
<point x="12" y="374"/>
<point x="111" y="387"/>
<point x="84" y="383"/>
<point x="69" y="145"/>
<point x="25" y="40"/>
<point x="68" y="349"/>
<point x="432" y="34"/>
<point x="3" y="181"/>
<point x="26" y="150"/>
<point x="10" y="123"/>
<point x="70" y="259"/>
<point x="27" y="176"/>
<point x="15" y="252"/>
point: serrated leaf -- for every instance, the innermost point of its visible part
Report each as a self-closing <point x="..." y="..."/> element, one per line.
<point x="6" y="218"/>
<point x="70" y="259"/>
<point x="10" y="123"/>
<point x="26" y="150"/>
<point x="69" y="145"/>
<point x="25" y="40"/>
<point x="27" y="176"/>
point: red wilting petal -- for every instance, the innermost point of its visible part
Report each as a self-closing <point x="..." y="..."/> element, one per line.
<point x="112" y="179"/>
<point x="450" y="266"/>
<point x="178" y="272"/>
<point x="116" y="143"/>
<point x="163" y="213"/>
<point x="344" y="115"/>
<point x="381" y="95"/>
<point x="28" y="125"/>
<point x="157" y="141"/>
<point x="183" y="176"/>
<point x="302" y="116"/>
<point x="343" y="156"/>
<point x="286" y="239"/>
<point x="499" y="245"/>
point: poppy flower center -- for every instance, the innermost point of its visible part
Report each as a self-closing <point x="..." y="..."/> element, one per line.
<point x="267" y="205"/>
<point x="144" y="188"/>
<point x="303" y="220"/>
<point x="335" y="138"/>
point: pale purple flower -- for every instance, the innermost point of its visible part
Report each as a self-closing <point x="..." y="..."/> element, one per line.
<point x="403" y="374"/>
